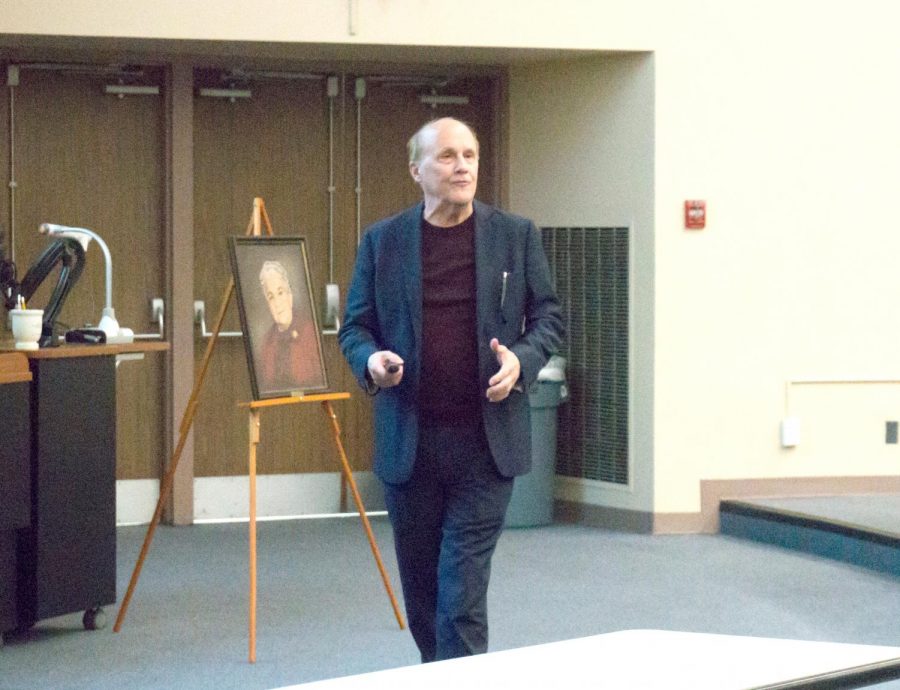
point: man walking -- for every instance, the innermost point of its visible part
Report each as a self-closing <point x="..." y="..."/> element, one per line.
<point x="450" y="315"/>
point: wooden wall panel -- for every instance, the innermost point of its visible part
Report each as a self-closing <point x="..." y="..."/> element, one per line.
<point x="84" y="158"/>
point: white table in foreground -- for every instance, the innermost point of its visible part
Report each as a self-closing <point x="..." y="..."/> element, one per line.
<point x="645" y="659"/>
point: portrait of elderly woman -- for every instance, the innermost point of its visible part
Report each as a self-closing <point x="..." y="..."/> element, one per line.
<point x="280" y="329"/>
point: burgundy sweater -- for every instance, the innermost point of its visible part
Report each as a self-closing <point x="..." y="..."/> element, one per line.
<point x="449" y="393"/>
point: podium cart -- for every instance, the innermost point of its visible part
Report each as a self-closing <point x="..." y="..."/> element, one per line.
<point x="67" y="555"/>
<point x="15" y="477"/>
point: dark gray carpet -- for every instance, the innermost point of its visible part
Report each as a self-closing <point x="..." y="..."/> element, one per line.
<point x="323" y="611"/>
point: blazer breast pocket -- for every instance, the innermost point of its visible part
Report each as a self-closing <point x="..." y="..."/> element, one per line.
<point x="512" y="297"/>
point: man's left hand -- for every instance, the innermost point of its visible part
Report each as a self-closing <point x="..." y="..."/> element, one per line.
<point x="503" y="381"/>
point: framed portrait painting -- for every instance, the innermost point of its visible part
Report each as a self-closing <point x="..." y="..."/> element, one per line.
<point x="278" y="317"/>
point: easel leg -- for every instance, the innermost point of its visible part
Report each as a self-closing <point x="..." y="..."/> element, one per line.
<point x="254" y="442"/>
<point x="348" y="475"/>
<point x="165" y="489"/>
<point x="253" y="228"/>
<point x="168" y="479"/>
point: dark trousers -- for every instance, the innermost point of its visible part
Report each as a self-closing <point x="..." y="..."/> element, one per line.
<point x="447" y="519"/>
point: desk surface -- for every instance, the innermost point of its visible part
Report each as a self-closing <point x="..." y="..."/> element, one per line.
<point x="78" y="350"/>
<point x="645" y="659"/>
<point x="14" y="368"/>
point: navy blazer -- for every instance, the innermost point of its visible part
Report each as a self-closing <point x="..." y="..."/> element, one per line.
<point x="384" y="312"/>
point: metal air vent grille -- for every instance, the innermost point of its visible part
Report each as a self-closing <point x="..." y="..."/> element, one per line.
<point x="590" y="268"/>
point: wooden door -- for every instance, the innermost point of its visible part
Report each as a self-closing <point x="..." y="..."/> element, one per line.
<point x="88" y="159"/>
<point x="273" y="145"/>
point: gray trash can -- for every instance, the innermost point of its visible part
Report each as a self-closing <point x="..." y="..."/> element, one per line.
<point x="532" y="499"/>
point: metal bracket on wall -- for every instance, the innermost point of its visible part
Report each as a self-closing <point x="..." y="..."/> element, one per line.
<point x="157" y="316"/>
<point x="200" y="319"/>
<point x="331" y="318"/>
<point x="331" y="322"/>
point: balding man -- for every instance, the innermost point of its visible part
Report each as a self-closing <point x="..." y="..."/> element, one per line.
<point x="450" y="315"/>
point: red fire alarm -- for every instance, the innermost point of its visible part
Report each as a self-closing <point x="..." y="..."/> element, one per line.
<point x="695" y="214"/>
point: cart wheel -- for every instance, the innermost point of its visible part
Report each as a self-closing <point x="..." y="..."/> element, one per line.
<point x="94" y="619"/>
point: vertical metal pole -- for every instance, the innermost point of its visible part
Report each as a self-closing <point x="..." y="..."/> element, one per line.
<point x="360" y="93"/>
<point x="331" y="289"/>
<point x="332" y="90"/>
<point x="332" y="319"/>
<point x="12" y="81"/>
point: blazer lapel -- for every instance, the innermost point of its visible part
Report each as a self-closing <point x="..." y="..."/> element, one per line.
<point x="487" y="280"/>
<point x="411" y="247"/>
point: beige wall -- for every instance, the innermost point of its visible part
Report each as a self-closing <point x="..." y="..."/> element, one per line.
<point x="581" y="154"/>
<point x="513" y="23"/>
<point x="783" y="116"/>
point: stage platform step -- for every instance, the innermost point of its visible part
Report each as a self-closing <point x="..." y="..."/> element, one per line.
<point x="862" y="530"/>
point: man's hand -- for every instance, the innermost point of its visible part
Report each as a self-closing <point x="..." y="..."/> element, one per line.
<point x="385" y="368"/>
<point x="503" y="381"/>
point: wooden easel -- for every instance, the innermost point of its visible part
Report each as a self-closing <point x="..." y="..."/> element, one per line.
<point x="254" y="228"/>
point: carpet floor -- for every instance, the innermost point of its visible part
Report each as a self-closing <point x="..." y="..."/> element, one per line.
<point x="323" y="611"/>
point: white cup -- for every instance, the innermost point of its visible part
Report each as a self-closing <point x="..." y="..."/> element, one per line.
<point x="26" y="327"/>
